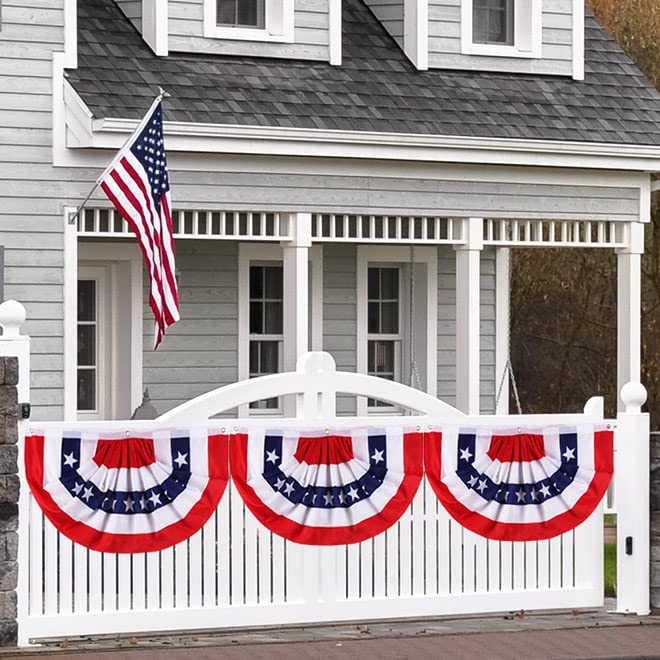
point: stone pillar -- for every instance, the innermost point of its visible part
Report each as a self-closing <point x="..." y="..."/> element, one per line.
<point x="9" y="487"/>
<point x="655" y="521"/>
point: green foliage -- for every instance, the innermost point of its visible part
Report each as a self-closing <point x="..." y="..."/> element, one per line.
<point x="563" y="305"/>
<point x="635" y="24"/>
<point x="610" y="570"/>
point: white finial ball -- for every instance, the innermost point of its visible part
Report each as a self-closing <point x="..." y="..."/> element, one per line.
<point x="633" y="396"/>
<point x="317" y="363"/>
<point x="12" y="317"/>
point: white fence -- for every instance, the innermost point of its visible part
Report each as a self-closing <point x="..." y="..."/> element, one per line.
<point x="235" y="573"/>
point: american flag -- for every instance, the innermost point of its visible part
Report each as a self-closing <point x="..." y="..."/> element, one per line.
<point x="138" y="185"/>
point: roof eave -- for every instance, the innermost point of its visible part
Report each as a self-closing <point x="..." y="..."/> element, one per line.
<point x="111" y="133"/>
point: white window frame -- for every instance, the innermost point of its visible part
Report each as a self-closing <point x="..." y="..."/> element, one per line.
<point x="100" y="275"/>
<point x="399" y="338"/>
<point x="279" y="24"/>
<point x="527" y="32"/>
<point x="388" y="256"/>
<point x="261" y="254"/>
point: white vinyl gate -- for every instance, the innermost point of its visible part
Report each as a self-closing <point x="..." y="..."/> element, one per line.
<point x="235" y="573"/>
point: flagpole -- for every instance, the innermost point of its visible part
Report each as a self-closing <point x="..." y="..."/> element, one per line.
<point x="161" y="95"/>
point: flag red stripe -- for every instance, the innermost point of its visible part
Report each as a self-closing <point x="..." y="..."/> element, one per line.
<point x="155" y="261"/>
<point x="126" y="215"/>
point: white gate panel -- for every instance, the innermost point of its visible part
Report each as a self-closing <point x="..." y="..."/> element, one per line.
<point x="236" y="573"/>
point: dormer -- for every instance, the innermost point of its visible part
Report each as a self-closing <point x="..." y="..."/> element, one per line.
<point x="295" y="29"/>
<point x="543" y="37"/>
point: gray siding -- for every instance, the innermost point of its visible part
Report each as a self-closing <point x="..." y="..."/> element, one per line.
<point x="375" y="191"/>
<point x="133" y="11"/>
<point x="445" y="41"/>
<point x="390" y="14"/>
<point x="339" y="311"/>
<point x="447" y="328"/>
<point x="31" y="219"/>
<point x="200" y="352"/>
<point x="311" y="33"/>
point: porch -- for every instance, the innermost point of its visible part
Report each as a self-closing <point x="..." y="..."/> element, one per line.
<point x="420" y="299"/>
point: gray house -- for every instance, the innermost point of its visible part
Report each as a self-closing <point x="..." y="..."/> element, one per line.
<point x="347" y="175"/>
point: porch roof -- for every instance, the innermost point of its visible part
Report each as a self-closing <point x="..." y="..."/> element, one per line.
<point x="376" y="89"/>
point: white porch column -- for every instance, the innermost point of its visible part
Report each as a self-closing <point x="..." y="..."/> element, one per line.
<point x="629" y="308"/>
<point x="296" y="294"/>
<point x="468" y="291"/>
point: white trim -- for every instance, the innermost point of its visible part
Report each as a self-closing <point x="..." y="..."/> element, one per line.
<point x="111" y="133"/>
<point x="400" y="254"/>
<point x="528" y="32"/>
<point x="279" y="24"/>
<point x="578" y="39"/>
<point x="71" y="34"/>
<point x="645" y="191"/>
<point x="316" y="308"/>
<point x="468" y="331"/>
<point x="502" y="330"/>
<point x="117" y="255"/>
<point x="105" y="394"/>
<point x="154" y="25"/>
<point x="335" y="28"/>
<point x="70" y="315"/>
<point x="249" y="252"/>
<point x="416" y="32"/>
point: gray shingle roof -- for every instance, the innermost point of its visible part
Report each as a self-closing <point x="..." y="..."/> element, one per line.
<point x="375" y="89"/>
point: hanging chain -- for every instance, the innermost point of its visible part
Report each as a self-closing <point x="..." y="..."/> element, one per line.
<point x="508" y="367"/>
<point x="414" y="373"/>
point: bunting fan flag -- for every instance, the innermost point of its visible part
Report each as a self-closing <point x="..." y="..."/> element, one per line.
<point x="127" y="494"/>
<point x="520" y="485"/>
<point x="327" y="488"/>
<point x="138" y="185"/>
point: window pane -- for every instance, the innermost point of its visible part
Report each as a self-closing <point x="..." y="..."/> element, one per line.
<point x="269" y="363"/>
<point x="254" y="357"/>
<point x="493" y="21"/>
<point x="256" y="282"/>
<point x="373" y="288"/>
<point x="273" y="318"/>
<point x="87" y="389"/>
<point x="86" y="345"/>
<point x="256" y="318"/>
<point x="274" y="284"/>
<point x="86" y="300"/>
<point x="227" y="12"/>
<point x="250" y="12"/>
<point x="373" y="323"/>
<point x="389" y="323"/>
<point x="381" y="358"/>
<point x="389" y="283"/>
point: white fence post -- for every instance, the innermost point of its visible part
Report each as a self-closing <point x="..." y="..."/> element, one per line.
<point x="14" y="344"/>
<point x="632" y="473"/>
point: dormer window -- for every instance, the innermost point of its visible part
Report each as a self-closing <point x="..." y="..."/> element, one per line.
<point x="492" y="22"/>
<point x="249" y="20"/>
<point x="241" y="13"/>
<point x="502" y="28"/>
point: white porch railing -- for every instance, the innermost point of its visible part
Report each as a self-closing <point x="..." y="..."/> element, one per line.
<point x="235" y="573"/>
<point x="357" y="228"/>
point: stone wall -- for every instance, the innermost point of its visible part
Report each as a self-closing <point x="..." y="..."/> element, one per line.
<point x="9" y="485"/>
<point x="655" y="521"/>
